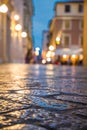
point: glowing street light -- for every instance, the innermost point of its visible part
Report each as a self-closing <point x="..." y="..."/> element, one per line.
<point x="3" y="8"/>
<point x="16" y="17"/>
<point x="37" y="49"/>
<point x="18" y="27"/>
<point x="24" y="34"/>
<point x="51" y="48"/>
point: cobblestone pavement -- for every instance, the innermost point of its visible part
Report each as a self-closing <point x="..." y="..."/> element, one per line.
<point x="38" y="97"/>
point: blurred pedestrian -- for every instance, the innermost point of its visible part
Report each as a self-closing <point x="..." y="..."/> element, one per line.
<point x="29" y="56"/>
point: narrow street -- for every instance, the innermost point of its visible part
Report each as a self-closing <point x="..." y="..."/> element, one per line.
<point x="43" y="97"/>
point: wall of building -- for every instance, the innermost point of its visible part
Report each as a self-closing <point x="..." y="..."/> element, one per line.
<point x="74" y="32"/>
<point x="45" y="44"/>
<point x="85" y="34"/>
<point x="60" y="7"/>
<point x="12" y="44"/>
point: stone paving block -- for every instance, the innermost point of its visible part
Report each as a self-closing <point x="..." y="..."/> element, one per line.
<point x="39" y="97"/>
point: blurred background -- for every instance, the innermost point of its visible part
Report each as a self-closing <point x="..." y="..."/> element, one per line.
<point x="43" y="32"/>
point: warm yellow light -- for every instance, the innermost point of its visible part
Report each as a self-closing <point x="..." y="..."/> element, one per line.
<point x="58" y="40"/>
<point x="48" y="59"/>
<point x="43" y="61"/>
<point x="18" y="27"/>
<point x="51" y="48"/>
<point x="64" y="56"/>
<point x="81" y="57"/>
<point x="3" y="8"/>
<point x="48" y="54"/>
<point x="24" y="34"/>
<point x="73" y="56"/>
<point x="74" y="59"/>
<point x="16" y="17"/>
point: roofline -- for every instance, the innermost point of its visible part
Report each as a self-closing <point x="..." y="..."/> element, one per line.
<point x="66" y="2"/>
<point x="70" y="1"/>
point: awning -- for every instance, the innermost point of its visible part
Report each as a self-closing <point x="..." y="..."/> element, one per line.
<point x="69" y="51"/>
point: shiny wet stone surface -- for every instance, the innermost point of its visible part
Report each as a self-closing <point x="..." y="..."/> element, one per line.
<point x="38" y="97"/>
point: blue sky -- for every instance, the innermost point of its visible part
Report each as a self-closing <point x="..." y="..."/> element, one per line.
<point x="43" y="13"/>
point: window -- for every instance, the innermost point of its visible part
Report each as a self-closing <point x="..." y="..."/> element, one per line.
<point x="67" y="8"/>
<point x="81" y="24"/>
<point x="67" y="24"/>
<point x="66" y="41"/>
<point x="80" y="8"/>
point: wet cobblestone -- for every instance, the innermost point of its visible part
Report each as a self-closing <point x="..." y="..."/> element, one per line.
<point x="38" y="97"/>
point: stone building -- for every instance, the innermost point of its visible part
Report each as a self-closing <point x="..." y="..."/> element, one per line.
<point x="16" y="30"/>
<point x="66" y="28"/>
<point x="85" y="34"/>
<point x="45" y="44"/>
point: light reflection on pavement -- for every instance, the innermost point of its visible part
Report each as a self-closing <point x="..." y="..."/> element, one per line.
<point x="38" y="97"/>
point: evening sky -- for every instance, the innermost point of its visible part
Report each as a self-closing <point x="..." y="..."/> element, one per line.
<point x="43" y="13"/>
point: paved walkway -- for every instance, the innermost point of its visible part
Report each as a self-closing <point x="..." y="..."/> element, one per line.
<point x="38" y="97"/>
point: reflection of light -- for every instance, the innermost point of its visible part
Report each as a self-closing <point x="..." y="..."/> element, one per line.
<point x="64" y="58"/>
<point x="73" y="56"/>
<point x="24" y="34"/>
<point x="16" y="17"/>
<point x="3" y="8"/>
<point x="51" y="48"/>
<point x="18" y="27"/>
<point x="48" y="59"/>
<point x="43" y="61"/>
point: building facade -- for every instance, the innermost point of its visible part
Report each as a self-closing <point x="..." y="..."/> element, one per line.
<point x="85" y="34"/>
<point x="66" y="28"/>
<point x="45" y="44"/>
<point x="16" y="37"/>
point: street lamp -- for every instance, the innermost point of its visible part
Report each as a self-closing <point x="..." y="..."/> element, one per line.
<point x="57" y="40"/>
<point x="24" y="34"/>
<point x="51" y="48"/>
<point x="18" y="27"/>
<point x="16" y="17"/>
<point x="37" y="49"/>
<point x="3" y="8"/>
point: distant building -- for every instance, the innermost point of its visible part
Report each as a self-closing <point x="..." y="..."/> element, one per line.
<point x="27" y="21"/>
<point x="5" y="32"/>
<point x="66" y="28"/>
<point x="45" y="44"/>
